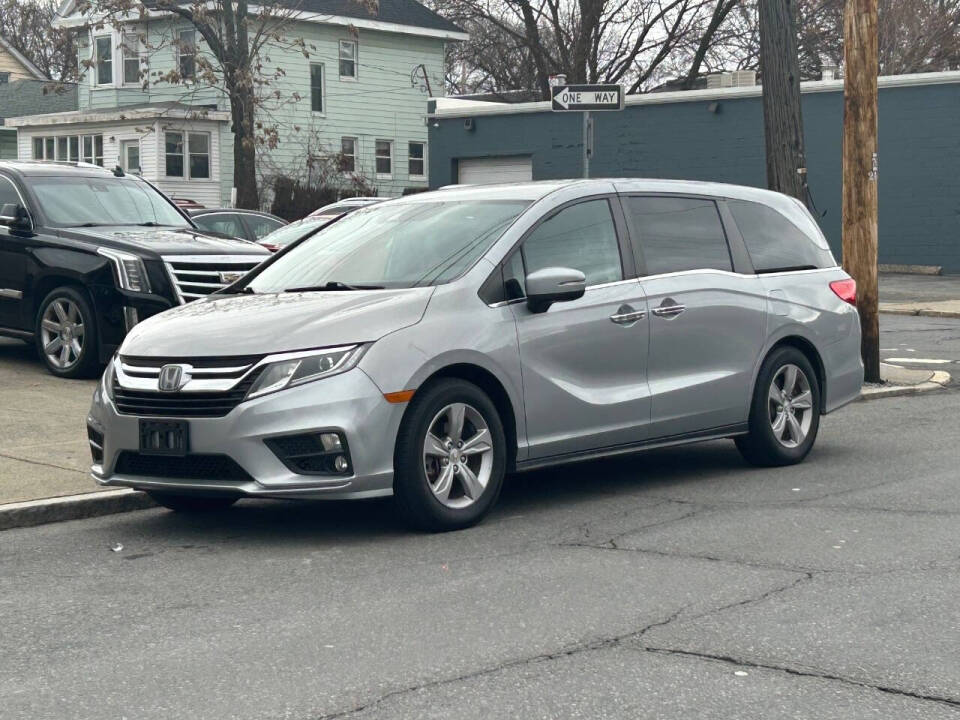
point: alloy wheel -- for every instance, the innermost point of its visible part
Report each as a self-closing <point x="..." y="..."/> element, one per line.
<point x="62" y="333"/>
<point x="458" y="455"/>
<point x="790" y="404"/>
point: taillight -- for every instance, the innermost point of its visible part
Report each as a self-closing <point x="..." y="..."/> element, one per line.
<point x="846" y="290"/>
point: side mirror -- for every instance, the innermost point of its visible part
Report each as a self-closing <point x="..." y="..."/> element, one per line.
<point x="550" y="285"/>
<point x="15" y="217"/>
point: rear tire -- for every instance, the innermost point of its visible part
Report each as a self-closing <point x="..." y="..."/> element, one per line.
<point x="785" y="412"/>
<point x="450" y="457"/>
<point x="66" y="334"/>
<point x="191" y="503"/>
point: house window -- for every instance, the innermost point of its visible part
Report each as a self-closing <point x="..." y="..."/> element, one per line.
<point x="62" y="147"/>
<point x="4" y="78"/>
<point x="38" y="148"/>
<point x="348" y="59"/>
<point x="174" y="151"/>
<point x="382" y="156"/>
<point x="187" y="54"/>
<point x="348" y="154"/>
<point x="104" y="60"/>
<point x="188" y="156"/>
<point x="92" y="149"/>
<point x="198" y="147"/>
<point x="49" y="146"/>
<point x="316" y="88"/>
<point x="66" y="148"/>
<point x="131" y="59"/>
<point x="415" y="161"/>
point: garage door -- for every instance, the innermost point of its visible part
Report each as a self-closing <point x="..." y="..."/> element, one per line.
<point x="484" y="171"/>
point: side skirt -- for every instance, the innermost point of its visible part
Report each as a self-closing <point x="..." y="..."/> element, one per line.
<point x="720" y="433"/>
<point x="19" y="334"/>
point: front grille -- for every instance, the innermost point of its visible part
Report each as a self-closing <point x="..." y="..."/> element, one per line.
<point x="150" y="403"/>
<point x="196" y="276"/>
<point x="188" y="467"/>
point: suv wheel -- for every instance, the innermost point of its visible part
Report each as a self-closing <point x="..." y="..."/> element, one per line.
<point x="450" y="457"/>
<point x="785" y="414"/>
<point x="191" y="503"/>
<point x="66" y="334"/>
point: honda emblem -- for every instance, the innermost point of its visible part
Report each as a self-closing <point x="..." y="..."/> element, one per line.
<point x="173" y="377"/>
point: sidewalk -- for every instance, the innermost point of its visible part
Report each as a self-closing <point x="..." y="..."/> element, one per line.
<point x="929" y="296"/>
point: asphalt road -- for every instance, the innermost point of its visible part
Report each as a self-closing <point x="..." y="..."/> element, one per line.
<point x="675" y="584"/>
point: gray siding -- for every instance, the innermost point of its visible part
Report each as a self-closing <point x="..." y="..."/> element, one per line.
<point x="919" y="155"/>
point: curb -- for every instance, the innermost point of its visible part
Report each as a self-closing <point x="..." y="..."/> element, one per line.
<point x="71" y="507"/>
<point x="939" y="381"/>
<point x="920" y="313"/>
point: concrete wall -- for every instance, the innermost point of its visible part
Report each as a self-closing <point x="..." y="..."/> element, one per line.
<point x="919" y="155"/>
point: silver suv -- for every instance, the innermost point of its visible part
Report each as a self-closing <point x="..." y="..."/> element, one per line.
<point x="424" y="347"/>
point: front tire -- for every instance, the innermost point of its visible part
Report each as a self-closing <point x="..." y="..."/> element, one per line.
<point x="785" y="412"/>
<point x="191" y="503"/>
<point x="66" y="334"/>
<point x="450" y="457"/>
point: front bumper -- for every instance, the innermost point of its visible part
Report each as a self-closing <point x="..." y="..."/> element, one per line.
<point x="350" y="403"/>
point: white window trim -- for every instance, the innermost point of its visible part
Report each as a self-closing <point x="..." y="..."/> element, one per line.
<point x="356" y="151"/>
<point x="187" y="176"/>
<point x="323" y="90"/>
<point x="95" y="76"/>
<point x="356" y="61"/>
<point x="196" y="52"/>
<point x="422" y="159"/>
<point x="56" y="137"/>
<point x="123" y="141"/>
<point x="141" y="57"/>
<point x="379" y="175"/>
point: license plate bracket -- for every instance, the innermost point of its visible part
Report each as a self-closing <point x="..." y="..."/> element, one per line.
<point x="164" y="437"/>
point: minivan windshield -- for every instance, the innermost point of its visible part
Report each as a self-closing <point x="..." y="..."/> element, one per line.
<point x="405" y="244"/>
<point x="108" y="200"/>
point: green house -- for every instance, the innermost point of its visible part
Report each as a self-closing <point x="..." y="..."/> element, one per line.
<point x="346" y="102"/>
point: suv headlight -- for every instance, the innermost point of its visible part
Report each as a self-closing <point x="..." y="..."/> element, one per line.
<point x="290" y="369"/>
<point x="129" y="270"/>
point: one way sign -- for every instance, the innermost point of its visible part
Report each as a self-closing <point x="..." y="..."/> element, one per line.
<point x="586" y="97"/>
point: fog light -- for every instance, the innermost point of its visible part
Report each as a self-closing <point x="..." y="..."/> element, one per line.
<point x="331" y="442"/>
<point x="340" y="463"/>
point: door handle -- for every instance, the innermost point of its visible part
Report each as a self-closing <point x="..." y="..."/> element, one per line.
<point x="627" y="316"/>
<point x="669" y="311"/>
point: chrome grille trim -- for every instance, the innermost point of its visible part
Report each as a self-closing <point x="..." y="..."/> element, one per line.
<point x="183" y="271"/>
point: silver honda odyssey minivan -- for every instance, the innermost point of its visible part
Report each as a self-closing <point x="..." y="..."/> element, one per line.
<point x="426" y="346"/>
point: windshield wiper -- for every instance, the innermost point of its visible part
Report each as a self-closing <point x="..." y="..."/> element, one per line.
<point x="333" y="285"/>
<point x="151" y="223"/>
<point x="245" y="290"/>
<point x="87" y="224"/>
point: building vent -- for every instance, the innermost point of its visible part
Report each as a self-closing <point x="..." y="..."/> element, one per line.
<point x="737" y="78"/>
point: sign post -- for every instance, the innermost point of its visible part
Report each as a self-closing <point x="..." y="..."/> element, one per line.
<point x="586" y="99"/>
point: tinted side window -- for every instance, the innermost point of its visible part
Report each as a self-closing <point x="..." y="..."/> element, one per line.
<point x="775" y="243"/>
<point x="261" y="226"/>
<point x="8" y="193"/>
<point x="582" y="237"/>
<point x="222" y="223"/>
<point x="678" y="234"/>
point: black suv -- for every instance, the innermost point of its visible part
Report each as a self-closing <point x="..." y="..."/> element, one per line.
<point x="87" y="253"/>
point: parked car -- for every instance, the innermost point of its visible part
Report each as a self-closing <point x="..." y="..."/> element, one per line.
<point x="342" y="207"/>
<point x="426" y="346"/>
<point x="279" y="239"/>
<point x="86" y="254"/>
<point x="244" y="224"/>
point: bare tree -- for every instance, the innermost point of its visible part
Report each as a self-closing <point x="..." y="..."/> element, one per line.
<point x="521" y="43"/>
<point x="28" y="26"/>
<point x="782" y="115"/>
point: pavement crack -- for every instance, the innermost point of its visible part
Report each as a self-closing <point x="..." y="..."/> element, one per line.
<point x="801" y="672"/>
<point x="40" y="463"/>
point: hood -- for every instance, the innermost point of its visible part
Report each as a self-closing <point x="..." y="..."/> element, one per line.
<point x="164" y="241"/>
<point x="275" y="322"/>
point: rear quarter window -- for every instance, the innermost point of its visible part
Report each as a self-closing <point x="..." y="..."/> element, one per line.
<point x="775" y="244"/>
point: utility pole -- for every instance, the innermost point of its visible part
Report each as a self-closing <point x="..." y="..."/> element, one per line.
<point x="782" y="113"/>
<point x="860" y="130"/>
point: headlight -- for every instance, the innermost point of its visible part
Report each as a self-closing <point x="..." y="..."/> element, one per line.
<point x="291" y="369"/>
<point x="107" y="380"/>
<point x="129" y="270"/>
